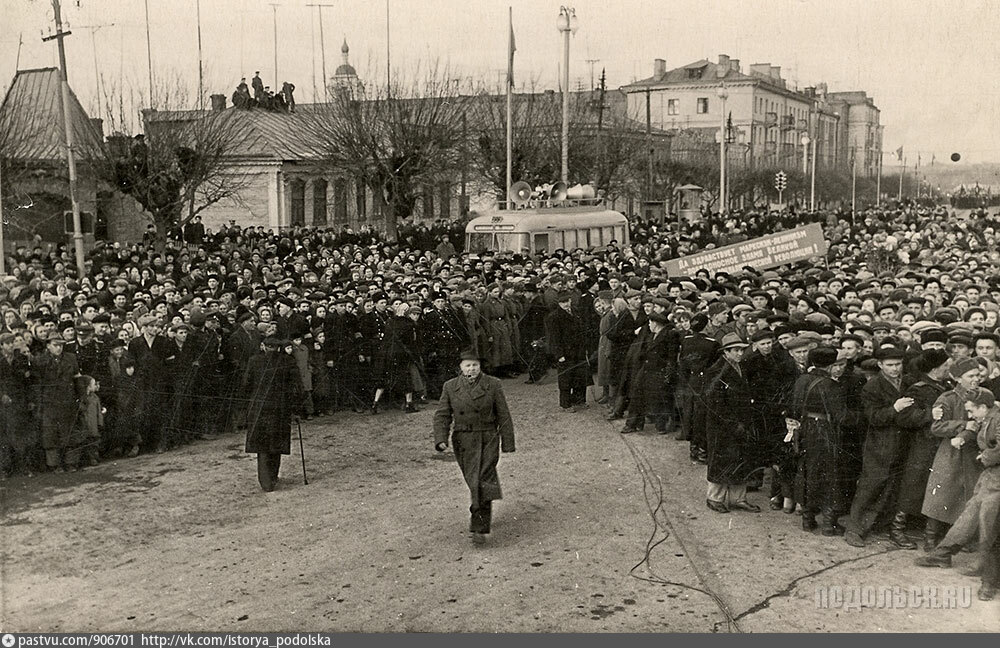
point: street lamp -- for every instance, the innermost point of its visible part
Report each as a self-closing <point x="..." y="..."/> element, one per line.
<point x="723" y="190"/>
<point x="566" y="23"/>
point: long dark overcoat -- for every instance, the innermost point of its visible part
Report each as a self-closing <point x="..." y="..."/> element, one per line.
<point x="275" y="389"/>
<point x="726" y="419"/>
<point x="923" y="445"/>
<point x="56" y="397"/>
<point x="884" y="456"/>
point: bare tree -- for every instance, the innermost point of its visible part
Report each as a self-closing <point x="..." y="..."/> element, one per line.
<point x="182" y="164"/>
<point x="533" y="160"/>
<point x="396" y="139"/>
<point x="604" y="145"/>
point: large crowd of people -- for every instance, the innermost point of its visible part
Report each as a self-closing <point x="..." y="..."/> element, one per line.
<point x="859" y="388"/>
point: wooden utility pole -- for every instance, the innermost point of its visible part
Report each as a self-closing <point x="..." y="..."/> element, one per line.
<point x="58" y="36"/>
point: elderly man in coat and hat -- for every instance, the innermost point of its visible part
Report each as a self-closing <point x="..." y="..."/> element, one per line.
<point x="276" y="395"/>
<point x="473" y="410"/>
<point x="727" y="417"/>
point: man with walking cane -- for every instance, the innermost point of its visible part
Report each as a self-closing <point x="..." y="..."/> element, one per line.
<point x="276" y="397"/>
<point x="475" y="403"/>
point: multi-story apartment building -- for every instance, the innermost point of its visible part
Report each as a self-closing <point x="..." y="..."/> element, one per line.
<point x="767" y="121"/>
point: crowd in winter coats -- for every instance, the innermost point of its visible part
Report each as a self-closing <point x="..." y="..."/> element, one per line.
<point x="843" y="384"/>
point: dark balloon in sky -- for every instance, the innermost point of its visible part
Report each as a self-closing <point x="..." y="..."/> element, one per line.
<point x="955" y="157"/>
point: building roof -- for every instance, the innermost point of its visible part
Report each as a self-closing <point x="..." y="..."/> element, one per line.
<point x="31" y="119"/>
<point x="699" y="71"/>
<point x="705" y="73"/>
<point x="298" y="136"/>
<point x="262" y="133"/>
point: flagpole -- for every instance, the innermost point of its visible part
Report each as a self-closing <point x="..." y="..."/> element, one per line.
<point x="902" y="174"/>
<point x="510" y="98"/>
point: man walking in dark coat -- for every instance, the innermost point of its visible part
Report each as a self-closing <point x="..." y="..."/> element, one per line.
<point x="885" y="453"/>
<point x="564" y="330"/>
<point x="276" y="395"/>
<point x="728" y="413"/>
<point x="476" y="405"/>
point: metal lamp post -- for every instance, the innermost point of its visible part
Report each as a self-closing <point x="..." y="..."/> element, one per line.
<point x="723" y="95"/>
<point x="806" y="141"/>
<point x="566" y="23"/>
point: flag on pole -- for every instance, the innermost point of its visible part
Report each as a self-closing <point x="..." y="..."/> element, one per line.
<point x="933" y="158"/>
<point x="918" y="160"/>
<point x="899" y="154"/>
<point x="511" y="48"/>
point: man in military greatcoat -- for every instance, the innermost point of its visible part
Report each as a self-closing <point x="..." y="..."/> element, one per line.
<point x="473" y="411"/>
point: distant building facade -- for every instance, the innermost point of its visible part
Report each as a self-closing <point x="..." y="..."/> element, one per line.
<point x="861" y="130"/>
<point x="768" y="119"/>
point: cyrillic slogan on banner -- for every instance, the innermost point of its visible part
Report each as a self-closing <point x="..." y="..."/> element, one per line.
<point x="760" y="253"/>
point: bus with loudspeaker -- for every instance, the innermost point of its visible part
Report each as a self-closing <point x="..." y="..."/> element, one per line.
<point x="545" y="219"/>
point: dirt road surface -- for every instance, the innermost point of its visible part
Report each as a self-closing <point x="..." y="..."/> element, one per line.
<point x="377" y="542"/>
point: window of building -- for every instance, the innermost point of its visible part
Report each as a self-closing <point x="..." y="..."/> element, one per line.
<point x="671" y="106"/>
<point x="702" y="105"/>
<point x="319" y="202"/>
<point x="297" y="193"/>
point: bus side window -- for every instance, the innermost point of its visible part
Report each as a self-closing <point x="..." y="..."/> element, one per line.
<point x="541" y="243"/>
<point x="583" y="238"/>
<point x="608" y="233"/>
<point x="568" y="239"/>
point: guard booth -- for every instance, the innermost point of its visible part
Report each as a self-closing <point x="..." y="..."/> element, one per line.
<point x="687" y="198"/>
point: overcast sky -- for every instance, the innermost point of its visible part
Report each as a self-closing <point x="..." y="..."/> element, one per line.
<point x="931" y="65"/>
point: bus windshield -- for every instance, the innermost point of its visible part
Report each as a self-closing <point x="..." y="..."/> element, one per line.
<point x="494" y="241"/>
